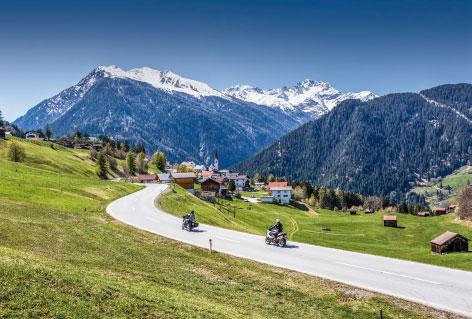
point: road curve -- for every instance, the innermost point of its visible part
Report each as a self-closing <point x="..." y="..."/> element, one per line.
<point x="438" y="287"/>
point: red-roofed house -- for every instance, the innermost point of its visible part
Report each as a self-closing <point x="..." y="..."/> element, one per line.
<point x="276" y="184"/>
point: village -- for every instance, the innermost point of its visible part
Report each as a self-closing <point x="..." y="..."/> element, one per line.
<point x="212" y="184"/>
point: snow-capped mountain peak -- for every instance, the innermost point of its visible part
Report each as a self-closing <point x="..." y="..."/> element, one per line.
<point x="307" y="96"/>
<point x="164" y="80"/>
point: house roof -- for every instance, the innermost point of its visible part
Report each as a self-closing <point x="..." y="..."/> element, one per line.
<point x="390" y="218"/>
<point x="445" y="237"/>
<point x="238" y="177"/>
<point x="220" y="181"/>
<point x="183" y="175"/>
<point x="147" y="177"/>
<point x="424" y="213"/>
<point x="164" y="176"/>
<point x="276" y="184"/>
<point x="281" y="188"/>
<point x="206" y="173"/>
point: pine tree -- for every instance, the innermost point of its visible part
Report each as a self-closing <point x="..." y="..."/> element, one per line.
<point x="231" y="186"/>
<point x="102" y="167"/>
<point x="131" y="163"/>
<point x="159" y="161"/>
<point x="48" y="132"/>
<point x="323" y="198"/>
<point x="1" y="118"/>
<point x="141" y="163"/>
<point x="16" y="153"/>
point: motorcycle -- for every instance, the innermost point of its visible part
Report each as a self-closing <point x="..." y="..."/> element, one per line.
<point x="280" y="239"/>
<point x="188" y="225"/>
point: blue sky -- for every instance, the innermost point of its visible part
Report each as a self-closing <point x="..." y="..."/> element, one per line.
<point x="382" y="46"/>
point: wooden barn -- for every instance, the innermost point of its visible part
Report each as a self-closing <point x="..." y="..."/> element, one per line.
<point x="215" y="186"/>
<point x="184" y="180"/>
<point x="440" y="211"/>
<point x="147" y="178"/>
<point x="424" y="214"/>
<point x="449" y="242"/>
<point x="390" y="221"/>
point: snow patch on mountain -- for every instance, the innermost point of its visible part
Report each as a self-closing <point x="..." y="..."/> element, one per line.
<point x="307" y="96"/>
<point x="164" y="80"/>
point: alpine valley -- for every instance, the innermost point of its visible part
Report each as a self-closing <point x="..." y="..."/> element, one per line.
<point x="185" y="118"/>
<point x="380" y="147"/>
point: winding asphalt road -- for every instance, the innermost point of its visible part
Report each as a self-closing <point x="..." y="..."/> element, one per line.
<point x="439" y="287"/>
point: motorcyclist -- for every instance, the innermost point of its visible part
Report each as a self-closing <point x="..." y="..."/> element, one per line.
<point x="191" y="218"/>
<point x="276" y="229"/>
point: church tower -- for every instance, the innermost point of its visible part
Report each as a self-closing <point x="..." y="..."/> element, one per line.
<point x="215" y="161"/>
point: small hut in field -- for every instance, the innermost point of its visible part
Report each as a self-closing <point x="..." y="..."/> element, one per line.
<point x="449" y="242"/>
<point x="390" y="221"/>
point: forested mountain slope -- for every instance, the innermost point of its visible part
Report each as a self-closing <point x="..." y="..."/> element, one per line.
<point x="381" y="147"/>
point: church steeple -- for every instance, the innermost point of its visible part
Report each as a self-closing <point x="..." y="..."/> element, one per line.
<point x="215" y="161"/>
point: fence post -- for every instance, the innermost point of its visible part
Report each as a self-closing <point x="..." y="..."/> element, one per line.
<point x="381" y="314"/>
<point x="210" y="245"/>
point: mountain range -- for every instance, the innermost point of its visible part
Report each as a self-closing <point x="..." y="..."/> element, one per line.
<point x="185" y="118"/>
<point x="380" y="147"/>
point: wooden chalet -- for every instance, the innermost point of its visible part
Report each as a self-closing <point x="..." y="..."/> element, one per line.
<point x="440" y="211"/>
<point x="184" y="180"/>
<point x="449" y="242"/>
<point x="424" y="214"/>
<point x="147" y="178"/>
<point x="214" y="186"/>
<point x="390" y="221"/>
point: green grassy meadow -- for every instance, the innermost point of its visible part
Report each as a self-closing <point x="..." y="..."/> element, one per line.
<point x="455" y="181"/>
<point x="360" y="233"/>
<point x="62" y="256"/>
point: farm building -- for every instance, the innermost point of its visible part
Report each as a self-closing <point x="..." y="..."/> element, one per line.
<point x="424" y="214"/>
<point x="164" y="178"/>
<point x="147" y="178"/>
<point x="239" y="181"/>
<point x="33" y="136"/>
<point x="449" y="242"/>
<point x="369" y="211"/>
<point x="184" y="180"/>
<point x="215" y="186"/>
<point x="266" y="199"/>
<point x="440" y="211"/>
<point x="390" y="221"/>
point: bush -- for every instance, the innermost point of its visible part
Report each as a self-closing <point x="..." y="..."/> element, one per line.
<point x="16" y="153"/>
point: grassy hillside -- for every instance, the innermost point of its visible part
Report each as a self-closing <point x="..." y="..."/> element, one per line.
<point x="451" y="185"/>
<point x="361" y="233"/>
<point x="61" y="256"/>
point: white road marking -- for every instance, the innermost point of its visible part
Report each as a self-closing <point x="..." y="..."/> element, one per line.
<point x="224" y="238"/>
<point x="389" y="273"/>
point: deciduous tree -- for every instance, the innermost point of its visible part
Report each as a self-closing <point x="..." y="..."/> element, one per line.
<point x="464" y="203"/>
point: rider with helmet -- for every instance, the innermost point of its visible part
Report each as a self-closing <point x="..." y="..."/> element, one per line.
<point x="276" y="229"/>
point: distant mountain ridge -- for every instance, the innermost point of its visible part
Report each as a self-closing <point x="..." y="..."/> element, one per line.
<point x="309" y="97"/>
<point x="379" y="147"/>
<point x="184" y="117"/>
